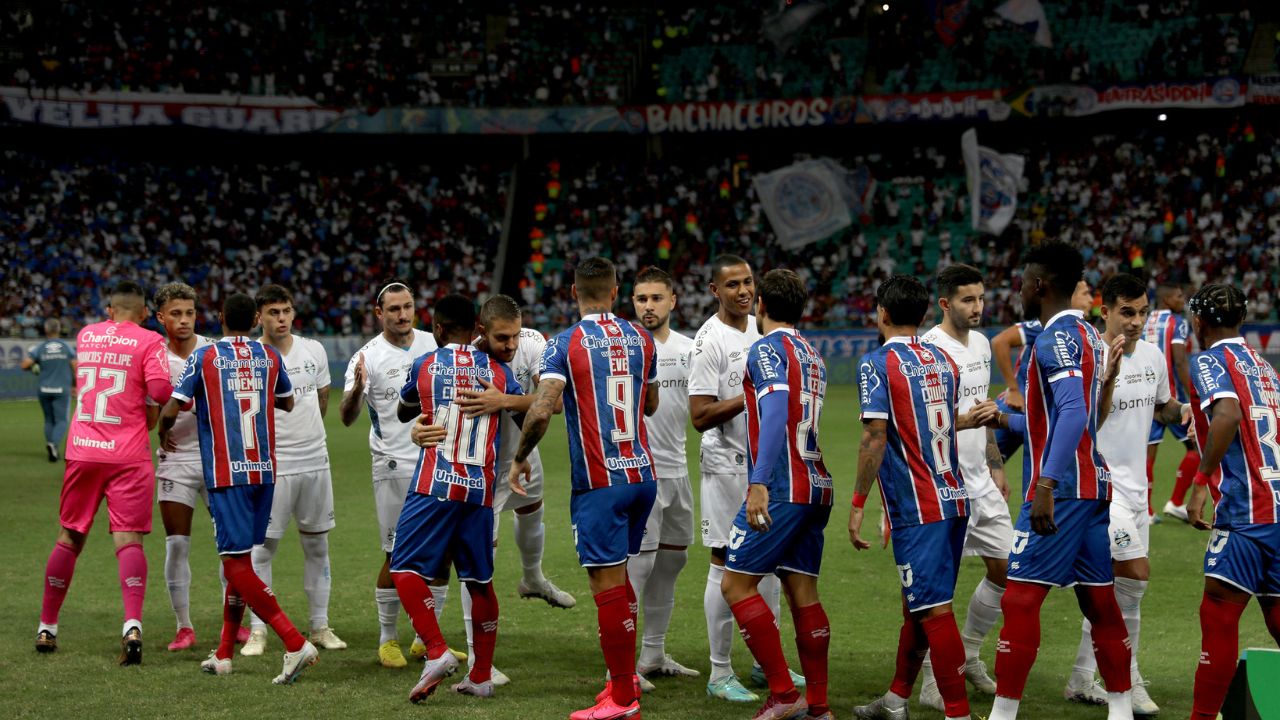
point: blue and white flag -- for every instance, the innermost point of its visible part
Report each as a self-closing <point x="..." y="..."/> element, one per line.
<point x="993" y="181"/>
<point x="1028" y="15"/>
<point x="806" y="201"/>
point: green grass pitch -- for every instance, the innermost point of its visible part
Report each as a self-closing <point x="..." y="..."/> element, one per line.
<point x="552" y="655"/>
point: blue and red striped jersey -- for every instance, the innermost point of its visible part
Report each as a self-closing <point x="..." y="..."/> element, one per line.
<point x="783" y="361"/>
<point x="234" y="383"/>
<point x="914" y="387"/>
<point x="462" y="467"/>
<point x="1250" y="485"/>
<point x="606" y="364"/>
<point x="1164" y="329"/>
<point x="1068" y="347"/>
<point x="1029" y="330"/>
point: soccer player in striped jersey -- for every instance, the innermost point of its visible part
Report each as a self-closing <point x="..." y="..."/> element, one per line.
<point x="1136" y="392"/>
<point x="448" y="514"/>
<point x="910" y="395"/>
<point x="990" y="532"/>
<point x="779" y="527"/>
<point x="1239" y="399"/>
<point x="179" y="475"/>
<point x="304" y="485"/>
<point x="121" y="366"/>
<point x="1061" y="538"/>
<point x="1022" y="335"/>
<point x="1169" y="331"/>
<point x="605" y="369"/>
<point x="234" y="384"/>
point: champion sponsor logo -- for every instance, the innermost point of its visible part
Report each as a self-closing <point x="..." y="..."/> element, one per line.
<point x="1257" y="371"/>
<point x="223" y="363"/>
<point x="85" y="442"/>
<point x="239" y="466"/>
<point x="108" y="337"/>
<point x="592" y="342"/>
<point x="915" y="370"/>
<point x="441" y="370"/>
<point x="627" y="463"/>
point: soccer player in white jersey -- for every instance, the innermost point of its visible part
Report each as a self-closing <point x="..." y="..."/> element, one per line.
<point x="716" y="408"/>
<point x="1133" y="396"/>
<point x="669" y="532"/>
<point x="304" y="485"/>
<point x="179" y="473"/>
<point x="990" y="529"/>
<point x="502" y="337"/>
<point x="373" y="380"/>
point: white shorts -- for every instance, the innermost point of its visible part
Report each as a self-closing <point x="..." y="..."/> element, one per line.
<point x="990" y="532"/>
<point x="307" y="496"/>
<point x="671" y="519"/>
<point x="722" y="496"/>
<point x="504" y="499"/>
<point x="181" y="484"/>
<point x="390" y="487"/>
<point x="1130" y="533"/>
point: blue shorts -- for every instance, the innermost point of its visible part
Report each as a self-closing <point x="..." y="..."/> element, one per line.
<point x="1080" y="552"/>
<point x="608" y="523"/>
<point x="792" y="544"/>
<point x="1246" y="557"/>
<point x="240" y="516"/>
<point x="928" y="559"/>
<point x="1157" y="432"/>
<point x="433" y="532"/>
<point x="1007" y="440"/>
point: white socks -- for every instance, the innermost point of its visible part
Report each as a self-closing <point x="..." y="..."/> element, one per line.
<point x="439" y="593"/>
<point x="770" y="588"/>
<point x="1129" y="594"/>
<point x="262" y="555"/>
<point x="465" y="599"/>
<point x="719" y="624"/>
<point x="983" y="614"/>
<point x="1120" y="705"/>
<point x="177" y="576"/>
<point x="315" y="577"/>
<point x="658" y="602"/>
<point x="388" y="611"/>
<point x="530" y="535"/>
<point x="1004" y="709"/>
<point x="639" y="570"/>
<point x="894" y="701"/>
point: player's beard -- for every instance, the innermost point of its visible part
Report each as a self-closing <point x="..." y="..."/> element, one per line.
<point x="653" y="324"/>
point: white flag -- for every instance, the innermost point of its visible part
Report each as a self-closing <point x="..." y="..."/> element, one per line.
<point x="804" y="202"/>
<point x="993" y="184"/>
<point x="1030" y="15"/>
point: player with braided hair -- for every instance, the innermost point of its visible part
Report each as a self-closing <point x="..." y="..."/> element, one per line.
<point x="1236" y="400"/>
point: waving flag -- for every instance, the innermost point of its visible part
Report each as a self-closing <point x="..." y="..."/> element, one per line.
<point x="993" y="184"/>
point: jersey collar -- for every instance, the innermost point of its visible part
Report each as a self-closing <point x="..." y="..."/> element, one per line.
<point x="456" y="346"/>
<point x="597" y="317"/>
<point x="787" y="330"/>
<point x="1070" y="311"/>
<point x="904" y="339"/>
<point x="235" y="339"/>
<point x="1229" y="341"/>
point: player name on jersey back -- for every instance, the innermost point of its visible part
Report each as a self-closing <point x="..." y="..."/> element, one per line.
<point x="115" y="362"/>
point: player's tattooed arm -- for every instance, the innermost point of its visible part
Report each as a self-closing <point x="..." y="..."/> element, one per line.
<point x="995" y="463"/>
<point x="1174" y="412"/>
<point x="870" y="455"/>
<point x="1222" y="431"/>
<point x="538" y="416"/>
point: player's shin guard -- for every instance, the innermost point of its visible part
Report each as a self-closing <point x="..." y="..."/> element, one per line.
<point x="1129" y="594"/>
<point x="639" y="570"/>
<point x="57" y="579"/>
<point x="1110" y="638"/>
<point x="133" y="580"/>
<point x="484" y="621"/>
<point x="530" y="536"/>
<point x="420" y="603"/>
<point x="948" y="654"/>
<point x="258" y="597"/>
<point x="982" y="615"/>
<point x="759" y="628"/>
<point x="912" y="644"/>
<point x="719" y="623"/>
<point x="659" y="601"/>
<point x="1019" y="638"/>
<point x="618" y="641"/>
<point x="388" y="602"/>
<point x="177" y="576"/>
<point x="262" y="557"/>
<point x="1219" y="650"/>
<point x="1186" y="473"/>
<point x="813" y="641"/>
<point x="315" y="577"/>
<point x="232" y="616"/>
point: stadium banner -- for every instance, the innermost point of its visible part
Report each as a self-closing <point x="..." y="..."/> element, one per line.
<point x="1264" y="90"/>
<point x="806" y="201"/>
<point x="993" y="181"/>
<point x="1080" y="100"/>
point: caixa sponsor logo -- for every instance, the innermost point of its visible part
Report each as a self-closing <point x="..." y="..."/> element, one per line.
<point x="950" y="494"/>
<point x="1209" y="370"/>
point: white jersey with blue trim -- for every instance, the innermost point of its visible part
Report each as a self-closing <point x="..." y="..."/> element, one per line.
<point x="386" y="368"/>
<point x="183" y="433"/>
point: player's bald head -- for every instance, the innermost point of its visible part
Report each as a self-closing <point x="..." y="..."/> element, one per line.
<point x="595" y="280"/>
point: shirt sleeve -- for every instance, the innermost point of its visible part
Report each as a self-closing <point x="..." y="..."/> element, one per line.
<point x="284" y="386"/>
<point x="1210" y="378"/>
<point x="512" y="385"/>
<point x="707" y="366"/>
<point x="765" y="366"/>
<point x="873" y="386"/>
<point x="1068" y="428"/>
<point x="1181" y="331"/>
<point x="773" y="436"/>
<point x="409" y="393"/>
<point x="322" y="367"/>
<point x="555" y="364"/>
<point x="1058" y="355"/>
<point x="349" y="378"/>
<point x="651" y="357"/>
<point x="537" y="346"/>
<point x="1163" y="395"/>
<point x="155" y="362"/>
<point x="185" y="391"/>
<point x="34" y="353"/>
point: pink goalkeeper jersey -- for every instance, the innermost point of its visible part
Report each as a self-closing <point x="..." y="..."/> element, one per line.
<point x="115" y="361"/>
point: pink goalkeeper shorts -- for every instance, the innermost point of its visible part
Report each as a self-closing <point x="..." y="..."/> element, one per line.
<point x="127" y="487"/>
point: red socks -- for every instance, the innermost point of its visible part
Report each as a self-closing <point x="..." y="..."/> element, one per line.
<point x="912" y="644"/>
<point x="947" y="651"/>
<point x="813" y="639"/>
<point x="418" y="602"/>
<point x="1271" y="614"/>
<point x="618" y="641"/>
<point x="240" y="575"/>
<point x="759" y="629"/>
<point x="1219" y="650"/>
<point x="133" y="579"/>
<point x="484" y="629"/>
<point x="1019" y="638"/>
<point x="57" y="578"/>
<point x="232" y="615"/>
<point x="1110" y="637"/>
<point x="1186" y="473"/>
